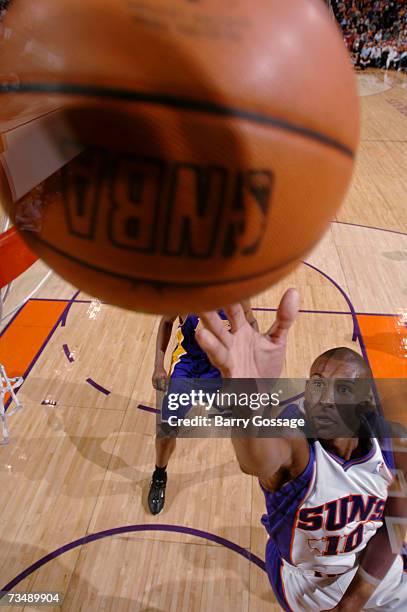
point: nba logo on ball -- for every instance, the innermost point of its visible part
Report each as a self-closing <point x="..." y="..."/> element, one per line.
<point x="212" y="221"/>
<point x="211" y="159"/>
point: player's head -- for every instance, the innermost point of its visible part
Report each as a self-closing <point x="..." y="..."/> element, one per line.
<point x="338" y="387"/>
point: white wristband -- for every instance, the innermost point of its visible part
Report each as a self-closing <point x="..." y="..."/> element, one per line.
<point x="370" y="579"/>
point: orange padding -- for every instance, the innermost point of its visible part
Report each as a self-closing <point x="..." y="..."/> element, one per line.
<point x="15" y="256"/>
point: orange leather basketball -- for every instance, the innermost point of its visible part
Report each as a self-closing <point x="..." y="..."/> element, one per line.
<point x="183" y="155"/>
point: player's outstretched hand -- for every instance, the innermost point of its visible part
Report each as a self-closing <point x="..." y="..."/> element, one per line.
<point x="243" y="352"/>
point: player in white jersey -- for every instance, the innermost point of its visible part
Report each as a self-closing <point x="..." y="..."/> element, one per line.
<point x="327" y="497"/>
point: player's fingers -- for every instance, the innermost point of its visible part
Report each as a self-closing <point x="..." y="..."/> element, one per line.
<point x="236" y="316"/>
<point x="213" y="347"/>
<point x="214" y="323"/>
<point x="286" y="315"/>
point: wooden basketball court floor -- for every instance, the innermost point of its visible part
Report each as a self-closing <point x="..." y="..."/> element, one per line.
<point x="75" y="474"/>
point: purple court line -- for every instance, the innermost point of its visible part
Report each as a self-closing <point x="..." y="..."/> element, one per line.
<point x="364" y="352"/>
<point x="68" y="308"/>
<point x="68" y="353"/>
<point x="357" y="334"/>
<point x="98" y="387"/>
<point x="129" y="529"/>
<point x="63" y="300"/>
<point x="339" y="312"/>
<point x="377" y="314"/>
<point x="335" y="312"/>
<point x="344" y="295"/>
<point x="379" y="229"/>
<point x="40" y="351"/>
<point x="148" y="409"/>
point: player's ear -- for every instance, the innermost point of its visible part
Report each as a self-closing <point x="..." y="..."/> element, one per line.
<point x="367" y="412"/>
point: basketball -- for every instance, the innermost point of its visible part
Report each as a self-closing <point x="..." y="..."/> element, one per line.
<point x="169" y="155"/>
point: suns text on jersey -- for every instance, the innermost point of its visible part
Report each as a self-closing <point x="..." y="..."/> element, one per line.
<point x="334" y="516"/>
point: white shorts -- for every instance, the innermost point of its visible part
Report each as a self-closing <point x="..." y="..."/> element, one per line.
<point x="304" y="592"/>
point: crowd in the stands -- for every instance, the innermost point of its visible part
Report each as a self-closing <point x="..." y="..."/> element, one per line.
<point x="375" y="32"/>
<point x="3" y="5"/>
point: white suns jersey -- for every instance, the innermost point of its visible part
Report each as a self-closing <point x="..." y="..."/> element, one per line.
<point x="323" y="519"/>
<point x="342" y="510"/>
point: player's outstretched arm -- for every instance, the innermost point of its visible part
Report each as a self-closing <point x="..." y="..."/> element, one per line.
<point x="245" y="353"/>
<point x="159" y="377"/>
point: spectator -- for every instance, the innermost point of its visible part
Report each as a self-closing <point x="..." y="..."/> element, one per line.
<point x="376" y="56"/>
<point x="393" y="58"/>
<point x="403" y="59"/>
<point x="365" y="54"/>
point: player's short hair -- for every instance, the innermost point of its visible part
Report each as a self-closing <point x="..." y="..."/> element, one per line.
<point x="347" y="355"/>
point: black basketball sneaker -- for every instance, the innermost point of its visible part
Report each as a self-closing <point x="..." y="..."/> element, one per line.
<point x="156" y="494"/>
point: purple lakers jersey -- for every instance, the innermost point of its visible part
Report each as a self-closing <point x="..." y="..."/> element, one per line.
<point x="188" y="359"/>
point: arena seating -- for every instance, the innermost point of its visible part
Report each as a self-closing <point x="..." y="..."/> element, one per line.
<point x="375" y="32"/>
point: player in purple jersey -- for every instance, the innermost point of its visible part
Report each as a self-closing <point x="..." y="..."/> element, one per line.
<point x="327" y="498"/>
<point x="189" y="362"/>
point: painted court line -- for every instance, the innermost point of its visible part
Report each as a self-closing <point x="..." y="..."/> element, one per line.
<point x="378" y="229"/>
<point x="37" y="299"/>
<point x="22" y="343"/>
<point x="357" y="333"/>
<point x="68" y="308"/>
<point x="148" y="409"/>
<point x="344" y="295"/>
<point x="134" y="529"/>
<point x="257" y="308"/>
<point x="333" y="312"/>
<point x="33" y="327"/>
<point x="98" y="387"/>
<point x="68" y="353"/>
